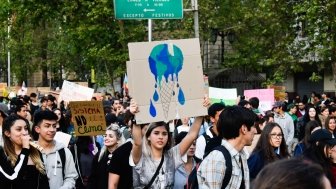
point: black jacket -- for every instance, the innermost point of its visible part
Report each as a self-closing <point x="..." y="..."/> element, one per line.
<point x="21" y="174"/>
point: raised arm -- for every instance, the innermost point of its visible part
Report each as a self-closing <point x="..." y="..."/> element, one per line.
<point x="137" y="135"/>
<point x="193" y="132"/>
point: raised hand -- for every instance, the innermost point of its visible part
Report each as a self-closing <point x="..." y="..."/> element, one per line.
<point x="134" y="107"/>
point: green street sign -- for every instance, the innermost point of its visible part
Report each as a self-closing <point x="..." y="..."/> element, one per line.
<point x="148" y="9"/>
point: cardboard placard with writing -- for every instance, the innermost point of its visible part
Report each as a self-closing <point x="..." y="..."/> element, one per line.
<point x="89" y="117"/>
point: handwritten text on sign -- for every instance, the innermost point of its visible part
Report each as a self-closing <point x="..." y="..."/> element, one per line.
<point x="88" y="118"/>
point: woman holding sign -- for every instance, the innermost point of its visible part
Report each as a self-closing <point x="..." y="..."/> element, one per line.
<point x="99" y="174"/>
<point x="154" y="162"/>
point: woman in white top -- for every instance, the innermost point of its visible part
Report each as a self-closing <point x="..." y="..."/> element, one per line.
<point x="147" y="153"/>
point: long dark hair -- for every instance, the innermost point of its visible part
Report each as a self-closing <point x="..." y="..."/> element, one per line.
<point x="62" y="123"/>
<point x="316" y="153"/>
<point x="264" y="146"/>
<point x="310" y="126"/>
<point x="292" y="173"/>
<point x="306" y="117"/>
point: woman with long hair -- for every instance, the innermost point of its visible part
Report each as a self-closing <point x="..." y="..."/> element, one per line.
<point x="320" y="152"/>
<point x="154" y="162"/>
<point x="304" y="143"/>
<point x="324" y="113"/>
<point x="61" y="123"/>
<point x="21" y="164"/>
<point x="183" y="171"/>
<point x="99" y="173"/>
<point x="270" y="147"/>
<point x="311" y="114"/>
<point x="330" y="125"/>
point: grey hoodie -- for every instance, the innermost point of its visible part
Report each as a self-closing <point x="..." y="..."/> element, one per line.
<point x="53" y="165"/>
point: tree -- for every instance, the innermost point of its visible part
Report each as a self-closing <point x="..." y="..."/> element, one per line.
<point x="317" y="22"/>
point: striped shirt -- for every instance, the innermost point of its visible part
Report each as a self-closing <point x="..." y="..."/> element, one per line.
<point x="210" y="173"/>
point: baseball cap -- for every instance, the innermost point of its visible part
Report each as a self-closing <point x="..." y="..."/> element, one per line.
<point x="322" y="135"/>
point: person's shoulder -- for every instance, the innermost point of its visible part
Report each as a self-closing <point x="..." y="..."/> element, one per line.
<point x="214" y="155"/>
<point x="124" y="148"/>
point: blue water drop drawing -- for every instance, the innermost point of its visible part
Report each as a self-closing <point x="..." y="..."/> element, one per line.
<point x="152" y="109"/>
<point x="156" y="96"/>
<point x="181" y="97"/>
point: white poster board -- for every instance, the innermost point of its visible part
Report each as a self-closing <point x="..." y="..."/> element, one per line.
<point x="74" y="92"/>
<point x="226" y="96"/>
<point x="166" y="79"/>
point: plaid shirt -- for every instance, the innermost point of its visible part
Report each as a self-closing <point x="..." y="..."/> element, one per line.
<point x="210" y="173"/>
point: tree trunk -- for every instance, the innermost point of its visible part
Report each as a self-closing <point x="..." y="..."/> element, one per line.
<point x="44" y="55"/>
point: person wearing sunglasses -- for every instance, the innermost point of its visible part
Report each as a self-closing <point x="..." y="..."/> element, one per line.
<point x="270" y="147"/>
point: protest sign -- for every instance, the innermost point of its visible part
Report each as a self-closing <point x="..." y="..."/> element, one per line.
<point x="279" y="92"/>
<point x="166" y="79"/>
<point x="74" y="92"/>
<point x="3" y="90"/>
<point x="266" y="97"/>
<point x="226" y="96"/>
<point x="89" y="117"/>
<point x="63" y="138"/>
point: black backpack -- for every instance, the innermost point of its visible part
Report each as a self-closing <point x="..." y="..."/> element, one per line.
<point x="192" y="182"/>
<point x="61" y="153"/>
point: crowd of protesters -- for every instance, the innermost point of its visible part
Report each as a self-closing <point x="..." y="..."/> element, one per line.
<point x="291" y="145"/>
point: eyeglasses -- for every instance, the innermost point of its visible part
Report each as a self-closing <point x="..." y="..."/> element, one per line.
<point x="274" y="135"/>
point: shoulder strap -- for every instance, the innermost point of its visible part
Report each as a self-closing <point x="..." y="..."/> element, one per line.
<point x="228" y="164"/>
<point x="61" y="153"/>
<point x="206" y="137"/>
<point x="156" y="173"/>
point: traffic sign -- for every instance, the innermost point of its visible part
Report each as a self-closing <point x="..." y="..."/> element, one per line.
<point x="148" y="9"/>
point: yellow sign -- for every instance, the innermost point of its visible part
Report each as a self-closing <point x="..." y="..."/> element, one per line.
<point x="88" y="117"/>
<point x="3" y="90"/>
<point x="279" y="92"/>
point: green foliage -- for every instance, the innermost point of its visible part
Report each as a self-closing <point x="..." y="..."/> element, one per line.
<point x="67" y="37"/>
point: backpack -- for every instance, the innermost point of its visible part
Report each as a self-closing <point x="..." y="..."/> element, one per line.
<point x="192" y="182"/>
<point x="61" y="153"/>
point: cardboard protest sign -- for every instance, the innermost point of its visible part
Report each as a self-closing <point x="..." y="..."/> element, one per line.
<point x="166" y="79"/>
<point x="3" y="89"/>
<point x="266" y="97"/>
<point x="226" y="96"/>
<point x="89" y="117"/>
<point x="74" y="92"/>
<point x="279" y="92"/>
